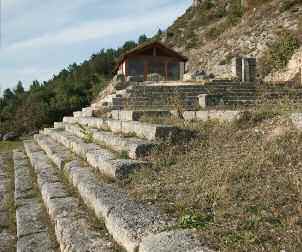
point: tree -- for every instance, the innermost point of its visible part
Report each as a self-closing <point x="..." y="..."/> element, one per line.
<point x="129" y="45"/>
<point x="35" y="86"/>
<point x="142" y="38"/>
<point x="19" y="90"/>
<point x="8" y="94"/>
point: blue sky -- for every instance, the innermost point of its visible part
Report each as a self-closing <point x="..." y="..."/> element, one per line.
<point x="40" y="38"/>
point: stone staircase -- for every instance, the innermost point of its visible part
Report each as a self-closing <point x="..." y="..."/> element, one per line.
<point x="154" y="97"/>
<point x="231" y="93"/>
<point x="220" y="93"/>
<point x="67" y="195"/>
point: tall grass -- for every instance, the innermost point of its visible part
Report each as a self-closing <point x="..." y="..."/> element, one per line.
<point x="239" y="187"/>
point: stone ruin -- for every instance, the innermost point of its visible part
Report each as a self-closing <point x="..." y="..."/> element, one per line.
<point x="245" y="69"/>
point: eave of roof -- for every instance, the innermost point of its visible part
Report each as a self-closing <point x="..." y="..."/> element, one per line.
<point x="145" y="46"/>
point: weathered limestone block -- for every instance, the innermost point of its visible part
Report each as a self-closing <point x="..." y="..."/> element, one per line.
<point x="129" y="222"/>
<point x="70" y="119"/>
<point x="87" y="112"/>
<point x="129" y="115"/>
<point x="32" y="227"/>
<point x="7" y="241"/>
<point x="189" y="115"/>
<point x="58" y="125"/>
<point x="37" y="242"/>
<point x="115" y="125"/>
<point x="73" y="229"/>
<point x="148" y="131"/>
<point x="29" y="218"/>
<point x="7" y="237"/>
<point x="126" y="220"/>
<point x="173" y="241"/>
<point x="77" y="114"/>
<point x="143" y="130"/>
<point x="202" y="115"/>
<point x="135" y="147"/>
<point x="203" y="100"/>
<point x="103" y="160"/>
<point x="223" y="115"/>
<point x="57" y="153"/>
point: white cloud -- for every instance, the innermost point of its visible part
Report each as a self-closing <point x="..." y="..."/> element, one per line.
<point x="41" y="37"/>
<point x="94" y="30"/>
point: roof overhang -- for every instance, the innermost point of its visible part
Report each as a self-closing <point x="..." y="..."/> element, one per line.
<point x="145" y="46"/>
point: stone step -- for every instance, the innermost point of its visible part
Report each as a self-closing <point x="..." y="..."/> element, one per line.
<point x="238" y="101"/>
<point x="188" y="89"/>
<point x="130" y="115"/>
<point x="139" y="129"/>
<point x="7" y="213"/>
<point x="105" y="161"/>
<point x="135" y="147"/>
<point x="153" y="107"/>
<point x="220" y="115"/>
<point x="238" y="98"/>
<point x="74" y="228"/>
<point x="133" y="225"/>
<point x="77" y="113"/>
<point x="33" y="232"/>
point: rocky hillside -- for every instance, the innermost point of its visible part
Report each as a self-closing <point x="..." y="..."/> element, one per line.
<point x="211" y="33"/>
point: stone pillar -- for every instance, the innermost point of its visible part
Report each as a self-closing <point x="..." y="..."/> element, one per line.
<point x="202" y="100"/>
<point x="301" y="69"/>
<point x="182" y="66"/>
<point x="245" y="69"/>
<point x="251" y="69"/>
<point x="237" y="68"/>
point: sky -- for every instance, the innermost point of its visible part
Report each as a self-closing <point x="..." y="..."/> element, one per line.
<point x="40" y="38"/>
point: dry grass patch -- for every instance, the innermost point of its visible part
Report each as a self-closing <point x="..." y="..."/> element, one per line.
<point x="8" y="146"/>
<point x="240" y="190"/>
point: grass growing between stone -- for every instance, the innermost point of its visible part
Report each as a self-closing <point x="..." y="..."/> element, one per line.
<point x="9" y="203"/>
<point x="8" y="146"/>
<point x="238" y="184"/>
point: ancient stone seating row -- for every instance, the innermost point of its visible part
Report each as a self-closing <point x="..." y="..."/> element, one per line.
<point x="7" y="234"/>
<point x="203" y="115"/>
<point x="66" y="202"/>
<point x="166" y="97"/>
<point x="138" y="129"/>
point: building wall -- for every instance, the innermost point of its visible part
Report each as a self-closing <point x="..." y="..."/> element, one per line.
<point x="151" y="62"/>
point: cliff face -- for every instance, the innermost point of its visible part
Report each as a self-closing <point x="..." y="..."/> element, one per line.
<point x="211" y="33"/>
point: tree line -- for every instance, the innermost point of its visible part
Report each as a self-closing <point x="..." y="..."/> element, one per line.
<point x="24" y="111"/>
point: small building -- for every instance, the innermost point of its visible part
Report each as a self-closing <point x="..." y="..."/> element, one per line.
<point x="152" y="58"/>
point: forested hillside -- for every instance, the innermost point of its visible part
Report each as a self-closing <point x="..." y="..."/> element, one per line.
<point x="23" y="111"/>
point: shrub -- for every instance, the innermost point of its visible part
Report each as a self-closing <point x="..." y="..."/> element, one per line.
<point x="235" y="13"/>
<point x="214" y="32"/>
<point x="282" y="50"/>
<point x="288" y="4"/>
<point x="196" y="220"/>
<point x="279" y="53"/>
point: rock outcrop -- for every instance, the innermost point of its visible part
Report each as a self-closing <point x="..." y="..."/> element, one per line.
<point x="212" y="35"/>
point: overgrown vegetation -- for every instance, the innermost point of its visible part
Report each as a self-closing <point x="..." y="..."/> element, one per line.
<point x="208" y="13"/>
<point x="238" y="184"/>
<point x="288" y="4"/>
<point x="9" y="146"/>
<point x="280" y="52"/>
